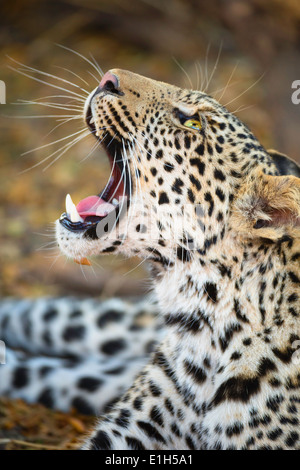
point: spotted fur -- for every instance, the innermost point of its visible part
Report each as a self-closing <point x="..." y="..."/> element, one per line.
<point x="225" y="274"/>
<point x="69" y="353"/>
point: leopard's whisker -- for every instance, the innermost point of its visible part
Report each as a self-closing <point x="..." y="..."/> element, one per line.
<point x="111" y="171"/>
<point x="45" y="116"/>
<point x="214" y="67"/>
<point x="97" y="65"/>
<point x="41" y="234"/>
<point x="83" y="273"/>
<point x="73" y="93"/>
<point x="206" y="66"/>
<point x="55" y="258"/>
<point x="63" y="149"/>
<point x="69" y="145"/>
<point x="65" y="121"/>
<point x="148" y="153"/>
<point x="49" y="105"/>
<point x="184" y="71"/>
<point x="69" y="118"/>
<point x="138" y="185"/>
<point x="94" y="77"/>
<point x="73" y="73"/>
<point x="60" y="96"/>
<point x="242" y="108"/>
<point x="219" y="98"/>
<point x="136" y="174"/>
<point x="245" y="91"/>
<point x="82" y="56"/>
<point x="53" y="143"/>
<point x="98" y="142"/>
<point x="27" y="68"/>
<point x="197" y="76"/>
<point x="124" y="191"/>
<point x="94" y="147"/>
<point x="47" y="246"/>
<point x="219" y="90"/>
<point x="201" y="75"/>
<point x="126" y="164"/>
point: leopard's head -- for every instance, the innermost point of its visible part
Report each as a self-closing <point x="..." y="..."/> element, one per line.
<point x="179" y="161"/>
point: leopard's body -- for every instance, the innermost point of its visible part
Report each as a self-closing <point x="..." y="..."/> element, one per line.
<point x="73" y="353"/>
<point x="225" y="266"/>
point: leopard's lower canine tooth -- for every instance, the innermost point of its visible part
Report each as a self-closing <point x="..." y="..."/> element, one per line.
<point x="71" y="210"/>
<point x="115" y="201"/>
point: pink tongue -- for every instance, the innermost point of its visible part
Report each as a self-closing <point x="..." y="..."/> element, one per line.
<point x="93" y="205"/>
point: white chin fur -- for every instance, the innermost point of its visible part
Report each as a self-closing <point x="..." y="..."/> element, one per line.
<point x="74" y="245"/>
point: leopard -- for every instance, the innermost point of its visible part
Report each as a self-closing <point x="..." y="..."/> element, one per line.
<point x="71" y="353"/>
<point x="216" y="217"/>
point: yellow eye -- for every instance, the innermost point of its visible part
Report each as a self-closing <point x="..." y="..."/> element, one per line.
<point x="193" y="124"/>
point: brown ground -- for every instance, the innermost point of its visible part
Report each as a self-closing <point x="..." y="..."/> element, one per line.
<point x="34" y="427"/>
<point x="259" y="51"/>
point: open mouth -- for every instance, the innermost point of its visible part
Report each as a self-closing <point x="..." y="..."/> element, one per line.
<point x="113" y="200"/>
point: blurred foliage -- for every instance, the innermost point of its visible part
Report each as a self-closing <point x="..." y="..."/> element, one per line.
<point x="248" y="51"/>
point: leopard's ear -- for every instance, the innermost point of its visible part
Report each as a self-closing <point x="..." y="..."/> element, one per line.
<point x="267" y="207"/>
<point x="284" y="164"/>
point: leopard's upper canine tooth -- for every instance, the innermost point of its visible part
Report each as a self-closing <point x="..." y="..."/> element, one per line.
<point x="69" y="204"/>
<point x="74" y="216"/>
<point x="115" y="202"/>
<point x="71" y="210"/>
<point x="92" y="120"/>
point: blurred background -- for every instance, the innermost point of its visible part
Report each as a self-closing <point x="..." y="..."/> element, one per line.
<point x="247" y="52"/>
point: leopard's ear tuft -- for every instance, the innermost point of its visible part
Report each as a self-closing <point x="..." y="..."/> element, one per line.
<point x="267" y="207"/>
<point x="284" y="164"/>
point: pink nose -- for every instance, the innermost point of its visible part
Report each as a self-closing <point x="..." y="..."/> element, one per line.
<point x="109" y="82"/>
